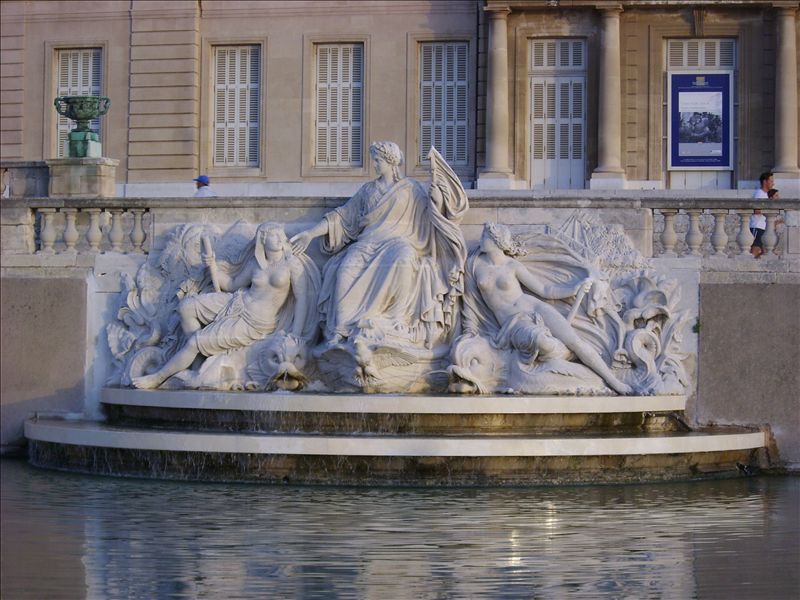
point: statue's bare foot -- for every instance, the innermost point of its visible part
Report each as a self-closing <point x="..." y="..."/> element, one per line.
<point x="147" y="382"/>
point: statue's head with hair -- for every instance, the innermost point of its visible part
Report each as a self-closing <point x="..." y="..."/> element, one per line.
<point x="502" y="237"/>
<point x="263" y="231"/>
<point x="390" y="153"/>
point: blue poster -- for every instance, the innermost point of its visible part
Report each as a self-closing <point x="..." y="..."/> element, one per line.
<point x="700" y="121"/>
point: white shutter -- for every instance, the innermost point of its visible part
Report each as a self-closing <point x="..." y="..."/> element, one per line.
<point x="443" y="100"/>
<point x="339" y="105"/>
<point x="701" y="54"/>
<point x="78" y="74"/>
<point x="237" y="98"/>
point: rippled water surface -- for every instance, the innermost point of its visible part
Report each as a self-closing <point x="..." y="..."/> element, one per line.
<point x="73" y="536"/>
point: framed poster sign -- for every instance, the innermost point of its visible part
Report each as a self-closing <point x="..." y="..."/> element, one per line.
<point x="700" y="123"/>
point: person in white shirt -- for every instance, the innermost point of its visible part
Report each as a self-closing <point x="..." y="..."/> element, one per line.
<point x="758" y="222"/>
<point x="203" y="189"/>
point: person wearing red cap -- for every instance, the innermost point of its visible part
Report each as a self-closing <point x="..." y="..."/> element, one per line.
<point x="203" y="189"/>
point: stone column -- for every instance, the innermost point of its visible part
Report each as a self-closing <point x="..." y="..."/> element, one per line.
<point x="609" y="173"/>
<point x="787" y="174"/>
<point x="497" y="173"/>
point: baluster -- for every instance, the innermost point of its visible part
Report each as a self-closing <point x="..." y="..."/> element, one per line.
<point x="668" y="237"/>
<point x="70" y="230"/>
<point x="694" y="237"/>
<point x="770" y="237"/>
<point x="719" y="238"/>
<point x="48" y="234"/>
<point x="137" y="233"/>
<point x="94" y="236"/>
<point x="745" y="238"/>
<point x="116" y="235"/>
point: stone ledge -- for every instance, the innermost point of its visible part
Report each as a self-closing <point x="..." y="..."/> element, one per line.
<point x="389" y="403"/>
<point x="95" y="434"/>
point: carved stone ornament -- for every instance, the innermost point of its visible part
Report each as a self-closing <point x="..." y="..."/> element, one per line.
<point x="400" y="306"/>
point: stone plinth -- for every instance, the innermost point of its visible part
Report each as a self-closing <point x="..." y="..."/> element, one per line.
<point x="83" y="177"/>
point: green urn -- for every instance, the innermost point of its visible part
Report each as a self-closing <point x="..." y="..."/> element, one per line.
<point x="83" y="142"/>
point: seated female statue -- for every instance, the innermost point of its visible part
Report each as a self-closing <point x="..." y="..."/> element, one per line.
<point x="399" y="255"/>
<point x="507" y="288"/>
<point x="267" y="289"/>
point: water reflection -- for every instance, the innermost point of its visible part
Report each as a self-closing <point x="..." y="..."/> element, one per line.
<point x="71" y="536"/>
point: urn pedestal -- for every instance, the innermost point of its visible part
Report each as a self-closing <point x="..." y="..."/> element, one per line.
<point x="82" y="177"/>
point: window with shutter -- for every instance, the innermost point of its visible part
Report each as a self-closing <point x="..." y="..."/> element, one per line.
<point x="557" y="75"/>
<point x="78" y="74"/>
<point x="443" y="97"/>
<point x="339" y="104"/>
<point x="237" y="94"/>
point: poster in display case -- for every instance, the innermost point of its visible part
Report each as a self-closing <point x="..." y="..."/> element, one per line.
<point x="700" y="130"/>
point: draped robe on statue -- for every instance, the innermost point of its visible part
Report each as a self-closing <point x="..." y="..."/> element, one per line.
<point x="399" y="261"/>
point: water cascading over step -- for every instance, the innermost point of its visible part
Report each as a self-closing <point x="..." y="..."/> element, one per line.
<point x="392" y="439"/>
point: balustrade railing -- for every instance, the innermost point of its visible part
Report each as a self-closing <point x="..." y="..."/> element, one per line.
<point x="716" y="233"/>
<point x="711" y="228"/>
<point x="90" y="230"/>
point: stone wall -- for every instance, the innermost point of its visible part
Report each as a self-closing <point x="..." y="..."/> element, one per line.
<point x="749" y="371"/>
<point x="44" y="335"/>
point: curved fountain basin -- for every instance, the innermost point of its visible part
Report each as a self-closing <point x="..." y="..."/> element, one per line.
<point x="338" y="414"/>
<point x="386" y="439"/>
<point x="98" y="434"/>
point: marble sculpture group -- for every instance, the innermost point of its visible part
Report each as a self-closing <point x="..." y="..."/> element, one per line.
<point x="401" y="305"/>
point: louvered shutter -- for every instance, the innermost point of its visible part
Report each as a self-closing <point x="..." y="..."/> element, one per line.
<point x="701" y="54"/>
<point x="339" y="105"/>
<point x="557" y="113"/>
<point x="443" y="101"/>
<point x="237" y="98"/>
<point x="78" y="74"/>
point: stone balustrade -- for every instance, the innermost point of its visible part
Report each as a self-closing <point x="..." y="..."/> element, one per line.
<point x="717" y="232"/>
<point x="660" y="227"/>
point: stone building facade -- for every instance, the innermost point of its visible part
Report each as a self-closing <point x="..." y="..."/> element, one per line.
<point x="275" y="97"/>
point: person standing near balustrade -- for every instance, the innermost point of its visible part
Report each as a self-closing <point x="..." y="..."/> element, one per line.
<point x="758" y="222"/>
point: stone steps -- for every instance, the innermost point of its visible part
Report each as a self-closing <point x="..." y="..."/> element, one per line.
<point x="151" y="443"/>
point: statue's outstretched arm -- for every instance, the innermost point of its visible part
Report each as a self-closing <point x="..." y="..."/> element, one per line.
<point x="300" y="241"/>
